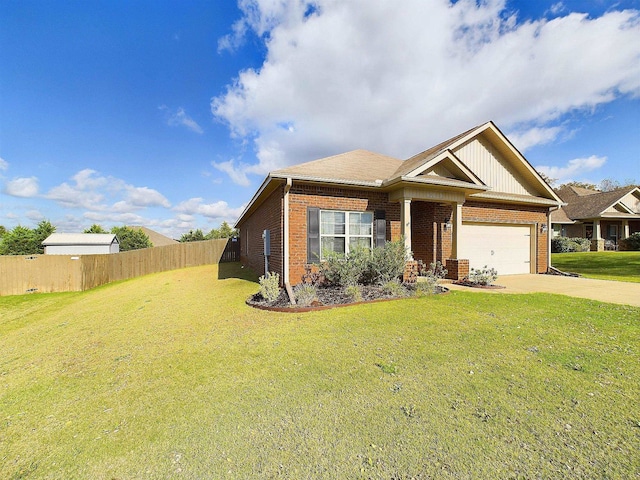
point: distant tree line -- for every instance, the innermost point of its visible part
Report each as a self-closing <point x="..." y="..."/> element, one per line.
<point x="26" y="241"/>
<point x="606" y="185"/>
<point x="225" y="231"/>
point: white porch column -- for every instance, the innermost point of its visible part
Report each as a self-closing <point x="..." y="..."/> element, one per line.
<point x="405" y="215"/>
<point x="625" y="229"/>
<point x="596" y="230"/>
<point x="456" y="225"/>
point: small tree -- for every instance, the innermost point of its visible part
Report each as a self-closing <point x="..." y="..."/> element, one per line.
<point x="225" y="231"/>
<point x="41" y="232"/>
<point x="192" y="236"/>
<point x="95" y="228"/>
<point x="588" y="186"/>
<point x="131" y="239"/>
<point x="19" y="241"/>
<point x="550" y="181"/>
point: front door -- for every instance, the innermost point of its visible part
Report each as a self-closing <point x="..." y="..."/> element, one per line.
<point x="613" y="233"/>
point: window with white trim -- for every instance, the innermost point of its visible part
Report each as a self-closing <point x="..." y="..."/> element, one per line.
<point x="342" y="231"/>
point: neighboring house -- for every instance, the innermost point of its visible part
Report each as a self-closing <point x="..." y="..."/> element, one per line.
<point x="80" y="244"/>
<point x="603" y="217"/>
<point x="471" y="201"/>
<point x="157" y="239"/>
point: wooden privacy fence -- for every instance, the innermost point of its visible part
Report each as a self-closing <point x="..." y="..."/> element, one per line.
<point x="72" y="273"/>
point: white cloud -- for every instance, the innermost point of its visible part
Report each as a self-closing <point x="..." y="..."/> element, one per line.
<point x="534" y="136"/>
<point x="4" y="165"/>
<point x="557" y="8"/>
<point x="146" y="197"/>
<point x="34" y="215"/>
<point x="368" y="74"/>
<point x="93" y="191"/>
<point x="180" y="118"/>
<point x="217" y="210"/>
<point x="238" y="174"/>
<point x="25" y="187"/>
<point x="575" y="168"/>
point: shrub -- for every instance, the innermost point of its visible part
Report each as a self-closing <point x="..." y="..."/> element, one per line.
<point x="354" y="293"/>
<point x="363" y="266"/>
<point x="305" y="295"/>
<point x="387" y="262"/>
<point x="394" y="288"/>
<point x="270" y="286"/>
<point x="483" y="276"/>
<point x="435" y="270"/>
<point x="345" y="270"/>
<point x="632" y="242"/>
<point x="566" y="244"/>
<point x="427" y="285"/>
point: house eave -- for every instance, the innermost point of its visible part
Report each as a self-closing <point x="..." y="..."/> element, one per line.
<point x="331" y="181"/>
<point x="436" y="182"/>
<point x="268" y="186"/>
<point x="514" y="198"/>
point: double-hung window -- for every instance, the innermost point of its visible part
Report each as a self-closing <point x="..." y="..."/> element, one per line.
<point x="342" y="232"/>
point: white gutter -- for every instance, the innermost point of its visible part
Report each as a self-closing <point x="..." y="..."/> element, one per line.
<point x="285" y="241"/>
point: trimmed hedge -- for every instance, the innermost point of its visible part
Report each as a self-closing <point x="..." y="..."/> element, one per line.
<point x="631" y="243"/>
<point x="566" y="244"/>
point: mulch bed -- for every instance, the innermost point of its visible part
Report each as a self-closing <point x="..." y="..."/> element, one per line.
<point x="328" y="297"/>
<point x="478" y="285"/>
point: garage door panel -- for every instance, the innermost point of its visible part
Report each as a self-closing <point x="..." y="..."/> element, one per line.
<point x="507" y="248"/>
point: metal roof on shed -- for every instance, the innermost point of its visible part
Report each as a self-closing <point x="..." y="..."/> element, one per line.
<point x="80" y="239"/>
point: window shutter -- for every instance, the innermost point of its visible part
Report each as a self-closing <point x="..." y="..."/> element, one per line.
<point x="313" y="235"/>
<point x="379" y="228"/>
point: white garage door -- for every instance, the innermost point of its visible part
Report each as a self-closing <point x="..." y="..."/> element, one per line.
<point x="507" y="248"/>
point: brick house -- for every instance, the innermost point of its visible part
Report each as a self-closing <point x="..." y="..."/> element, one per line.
<point x="470" y="201"/>
<point x="603" y="217"/>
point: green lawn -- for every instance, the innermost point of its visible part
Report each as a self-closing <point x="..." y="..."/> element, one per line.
<point x="621" y="266"/>
<point x="173" y="376"/>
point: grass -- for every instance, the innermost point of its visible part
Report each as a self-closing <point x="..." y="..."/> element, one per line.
<point x="620" y="266"/>
<point x="172" y="375"/>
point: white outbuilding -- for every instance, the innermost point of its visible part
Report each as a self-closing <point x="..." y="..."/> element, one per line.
<point x="80" y="243"/>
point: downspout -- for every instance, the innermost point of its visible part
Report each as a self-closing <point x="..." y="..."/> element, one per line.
<point x="549" y="235"/>
<point x="285" y="243"/>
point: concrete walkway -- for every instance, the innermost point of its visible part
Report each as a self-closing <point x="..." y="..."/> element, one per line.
<point x="624" y="293"/>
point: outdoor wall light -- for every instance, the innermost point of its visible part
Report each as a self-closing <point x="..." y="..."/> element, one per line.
<point x="447" y="226"/>
<point x="543" y="228"/>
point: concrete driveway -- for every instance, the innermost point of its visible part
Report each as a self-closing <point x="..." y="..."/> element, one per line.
<point x="624" y="293"/>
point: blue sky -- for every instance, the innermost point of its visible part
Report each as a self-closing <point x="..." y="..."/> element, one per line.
<point x="169" y="114"/>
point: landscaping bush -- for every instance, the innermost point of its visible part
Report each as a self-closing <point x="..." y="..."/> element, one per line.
<point x="270" y="286"/>
<point x="566" y="244"/>
<point x="483" y="276"/>
<point x="363" y="266"/>
<point x="387" y="262"/>
<point x="435" y="270"/>
<point x="631" y="243"/>
<point x="427" y="285"/>
<point x="305" y="295"/>
<point x="394" y="288"/>
<point x="354" y="293"/>
<point x="345" y="270"/>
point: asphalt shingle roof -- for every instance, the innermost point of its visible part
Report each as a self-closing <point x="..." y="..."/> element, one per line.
<point x="584" y="203"/>
<point x="354" y="166"/>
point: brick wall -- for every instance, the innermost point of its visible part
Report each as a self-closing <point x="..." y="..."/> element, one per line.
<point x="268" y="216"/>
<point x="303" y="196"/>
<point x="516" y="214"/>
<point x="430" y="239"/>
